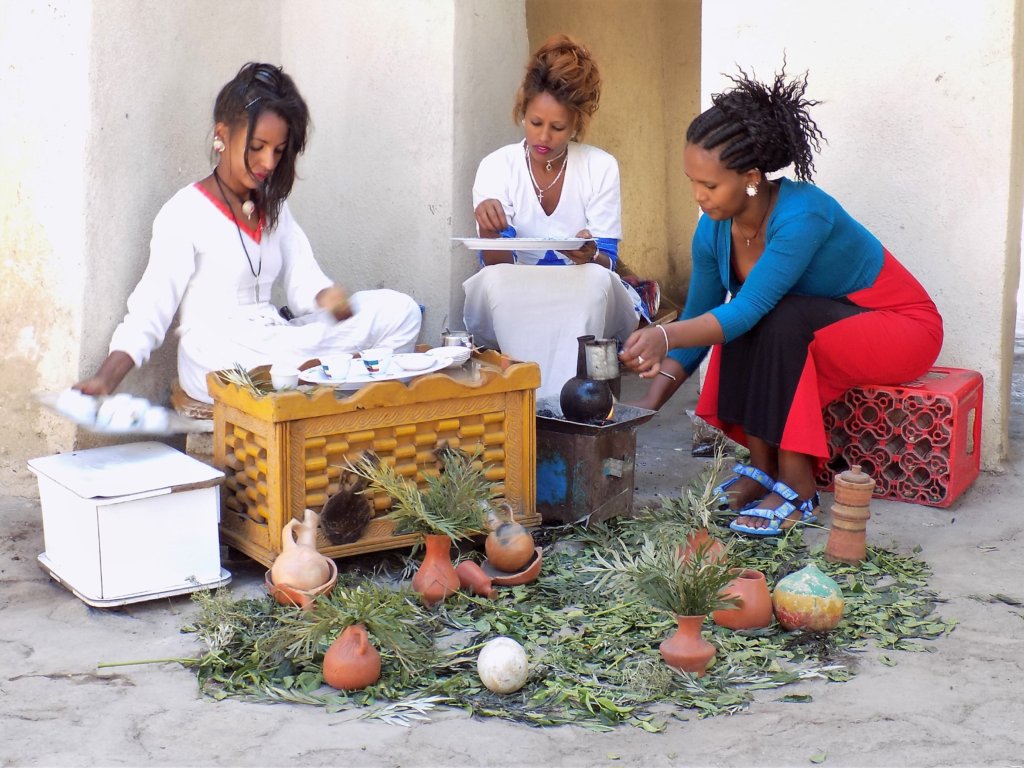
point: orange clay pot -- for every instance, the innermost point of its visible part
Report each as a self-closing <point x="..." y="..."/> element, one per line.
<point x="755" y="607"/>
<point x="351" y="663"/>
<point x="715" y="549"/>
<point x="301" y="598"/>
<point x="687" y="649"/>
<point x="847" y="541"/>
<point x="300" y="565"/>
<point x="473" y="579"/>
<point x="436" y="577"/>
<point x="510" y="547"/>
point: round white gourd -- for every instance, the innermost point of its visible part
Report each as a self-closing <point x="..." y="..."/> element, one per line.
<point x="502" y="665"/>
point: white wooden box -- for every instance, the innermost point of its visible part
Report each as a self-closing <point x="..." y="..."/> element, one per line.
<point x="133" y="522"/>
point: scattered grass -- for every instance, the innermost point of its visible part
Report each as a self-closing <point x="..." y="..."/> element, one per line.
<point x="594" y="653"/>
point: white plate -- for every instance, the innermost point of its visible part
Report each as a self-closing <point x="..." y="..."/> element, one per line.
<point x="358" y="377"/>
<point x="521" y="243"/>
<point x="413" y="361"/>
<point x="454" y="355"/>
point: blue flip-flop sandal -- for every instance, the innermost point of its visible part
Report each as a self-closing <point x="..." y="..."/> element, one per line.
<point x="778" y="516"/>
<point x="744" y="470"/>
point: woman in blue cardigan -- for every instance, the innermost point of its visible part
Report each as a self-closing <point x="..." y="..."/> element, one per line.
<point x="817" y="304"/>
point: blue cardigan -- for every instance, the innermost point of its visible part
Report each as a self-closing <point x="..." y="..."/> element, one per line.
<point x="812" y="248"/>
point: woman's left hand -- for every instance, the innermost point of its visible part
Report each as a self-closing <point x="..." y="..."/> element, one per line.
<point x="584" y="255"/>
<point x="643" y="351"/>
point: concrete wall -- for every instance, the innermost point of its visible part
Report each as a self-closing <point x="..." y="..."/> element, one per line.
<point x="406" y="97"/>
<point x="648" y="52"/>
<point x="922" y="115"/>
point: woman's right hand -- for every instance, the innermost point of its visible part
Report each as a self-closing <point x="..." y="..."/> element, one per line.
<point x="490" y="217"/>
<point x="109" y="376"/>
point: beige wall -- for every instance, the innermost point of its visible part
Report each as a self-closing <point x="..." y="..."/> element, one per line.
<point x="648" y="52"/>
<point x="922" y="115"/>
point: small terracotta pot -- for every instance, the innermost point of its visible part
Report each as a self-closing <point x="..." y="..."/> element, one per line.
<point x="854" y="487"/>
<point x="686" y="649"/>
<point x="510" y="547"/>
<point x="755" y="607"/>
<point x="351" y="662"/>
<point x="473" y="579"/>
<point x="715" y="549"/>
<point x="300" y="563"/>
<point x="529" y="573"/>
<point x="301" y="598"/>
<point x="436" y="577"/>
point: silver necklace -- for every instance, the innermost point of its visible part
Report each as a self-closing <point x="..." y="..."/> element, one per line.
<point x="529" y="165"/>
<point x="255" y="272"/>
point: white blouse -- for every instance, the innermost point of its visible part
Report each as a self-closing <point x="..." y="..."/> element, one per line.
<point x="197" y="262"/>
<point x="590" y="197"/>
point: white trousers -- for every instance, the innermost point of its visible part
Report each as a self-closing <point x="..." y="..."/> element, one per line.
<point x="536" y="313"/>
<point x="381" y="318"/>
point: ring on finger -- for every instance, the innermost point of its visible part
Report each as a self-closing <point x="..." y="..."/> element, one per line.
<point x="639" y="360"/>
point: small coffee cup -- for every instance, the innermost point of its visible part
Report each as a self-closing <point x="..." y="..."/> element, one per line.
<point x="336" y="367"/>
<point x="284" y="377"/>
<point x="377" y="360"/>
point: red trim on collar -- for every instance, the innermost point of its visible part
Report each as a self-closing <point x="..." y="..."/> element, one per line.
<point x="255" y="234"/>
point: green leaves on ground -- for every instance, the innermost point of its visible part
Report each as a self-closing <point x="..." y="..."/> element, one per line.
<point x="593" y="652"/>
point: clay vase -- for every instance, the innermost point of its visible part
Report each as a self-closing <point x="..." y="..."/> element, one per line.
<point x="473" y="579"/>
<point x="582" y="398"/>
<point x="808" y="600"/>
<point x="436" y="577"/>
<point x="755" y="607"/>
<point x="300" y="564"/>
<point x="686" y="649"/>
<point x="715" y="551"/>
<point x="351" y="662"/>
<point x="510" y="545"/>
<point x="847" y="541"/>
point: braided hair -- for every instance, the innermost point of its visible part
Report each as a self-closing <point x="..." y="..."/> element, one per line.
<point x="760" y="126"/>
<point x="259" y="88"/>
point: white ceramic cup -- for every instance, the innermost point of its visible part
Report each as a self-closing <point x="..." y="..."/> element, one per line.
<point x="336" y="367"/>
<point x="377" y="360"/>
<point x="284" y="377"/>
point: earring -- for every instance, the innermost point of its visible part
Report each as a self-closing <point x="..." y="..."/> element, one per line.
<point x="751" y="190"/>
<point x="218" y="144"/>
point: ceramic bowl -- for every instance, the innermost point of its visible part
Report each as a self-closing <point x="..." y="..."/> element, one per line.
<point x="284" y="377"/>
<point x="529" y="572"/>
<point x="301" y="598"/>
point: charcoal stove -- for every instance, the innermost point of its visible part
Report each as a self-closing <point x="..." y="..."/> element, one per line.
<point x="585" y="472"/>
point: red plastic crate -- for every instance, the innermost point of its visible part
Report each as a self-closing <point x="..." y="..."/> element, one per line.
<point x="921" y="442"/>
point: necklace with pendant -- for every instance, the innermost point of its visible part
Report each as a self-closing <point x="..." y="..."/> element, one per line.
<point x="764" y="218"/>
<point x="529" y="165"/>
<point x="259" y="268"/>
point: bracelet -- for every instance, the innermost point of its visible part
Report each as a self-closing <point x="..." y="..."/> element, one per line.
<point x="665" y="334"/>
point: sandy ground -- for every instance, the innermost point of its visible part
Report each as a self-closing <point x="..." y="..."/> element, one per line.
<point x="958" y="705"/>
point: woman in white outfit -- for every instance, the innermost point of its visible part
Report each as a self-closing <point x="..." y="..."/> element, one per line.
<point x="550" y="186"/>
<point x="220" y="245"/>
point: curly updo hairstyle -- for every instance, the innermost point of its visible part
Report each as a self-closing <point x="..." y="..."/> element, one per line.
<point x="259" y="88"/>
<point x="760" y="126"/>
<point x="566" y="70"/>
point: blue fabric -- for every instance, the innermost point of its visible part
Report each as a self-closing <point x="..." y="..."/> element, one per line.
<point x="812" y="248"/>
<point x="609" y="246"/>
